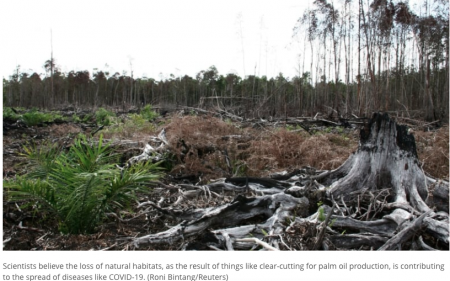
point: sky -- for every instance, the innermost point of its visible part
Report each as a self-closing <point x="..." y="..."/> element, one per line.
<point x="152" y="38"/>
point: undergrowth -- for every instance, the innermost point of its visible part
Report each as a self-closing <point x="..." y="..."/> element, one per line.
<point x="131" y="127"/>
<point x="104" y="117"/>
<point x="203" y="145"/>
<point x="433" y="152"/>
<point x="148" y="113"/>
<point x="79" y="186"/>
<point x="283" y="150"/>
<point x="8" y="113"/>
<point x="32" y="117"/>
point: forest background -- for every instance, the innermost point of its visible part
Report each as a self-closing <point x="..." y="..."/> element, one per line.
<point x="356" y="57"/>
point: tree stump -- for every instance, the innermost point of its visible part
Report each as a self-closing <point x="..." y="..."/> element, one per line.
<point x="386" y="159"/>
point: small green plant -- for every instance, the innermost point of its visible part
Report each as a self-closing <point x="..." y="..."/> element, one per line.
<point x="331" y="223"/>
<point x="239" y="168"/>
<point x="104" y="117"/>
<point x="8" y="113"/>
<point x="328" y="130"/>
<point x="148" y="113"/>
<point x="322" y="215"/>
<point x="293" y="128"/>
<point x="35" y="117"/>
<point x="340" y="140"/>
<point x="339" y="130"/>
<point x="133" y="123"/>
<point x="41" y="159"/>
<point x="137" y="120"/>
<point x="76" y="118"/>
<point x="87" y="118"/>
<point x="79" y="186"/>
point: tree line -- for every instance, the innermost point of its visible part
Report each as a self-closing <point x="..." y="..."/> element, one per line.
<point x="364" y="56"/>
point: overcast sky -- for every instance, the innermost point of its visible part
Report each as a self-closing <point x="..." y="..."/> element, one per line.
<point x="167" y="37"/>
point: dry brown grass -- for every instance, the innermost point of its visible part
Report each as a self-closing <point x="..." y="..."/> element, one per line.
<point x="433" y="152"/>
<point x="287" y="150"/>
<point x="197" y="143"/>
<point x="199" y="146"/>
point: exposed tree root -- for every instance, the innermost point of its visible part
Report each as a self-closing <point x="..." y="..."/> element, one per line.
<point x="381" y="200"/>
<point x="273" y="207"/>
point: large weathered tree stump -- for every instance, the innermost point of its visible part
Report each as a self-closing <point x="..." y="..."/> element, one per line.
<point x="386" y="159"/>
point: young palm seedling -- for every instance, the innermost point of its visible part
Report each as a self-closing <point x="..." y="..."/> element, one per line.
<point x="81" y="185"/>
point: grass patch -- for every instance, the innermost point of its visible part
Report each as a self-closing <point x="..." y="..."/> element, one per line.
<point x="32" y="117"/>
<point x="148" y="113"/>
<point x="8" y="113"/>
<point x="283" y="150"/>
<point x="131" y="127"/>
<point x="35" y="117"/>
<point x="433" y="152"/>
<point x="104" y="117"/>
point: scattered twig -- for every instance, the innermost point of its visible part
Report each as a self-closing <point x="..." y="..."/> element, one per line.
<point x="29" y="228"/>
<point x="259" y="242"/>
<point x="324" y="227"/>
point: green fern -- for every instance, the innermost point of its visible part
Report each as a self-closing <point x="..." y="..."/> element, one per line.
<point x="104" y="117"/>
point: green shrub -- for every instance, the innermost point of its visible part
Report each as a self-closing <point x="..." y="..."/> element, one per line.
<point x="148" y="113"/>
<point x="81" y="185"/>
<point x="129" y="126"/>
<point x="136" y="120"/>
<point x="104" y="117"/>
<point x="35" y="117"/>
<point x="76" y="118"/>
<point x="87" y="118"/>
<point x="8" y="113"/>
